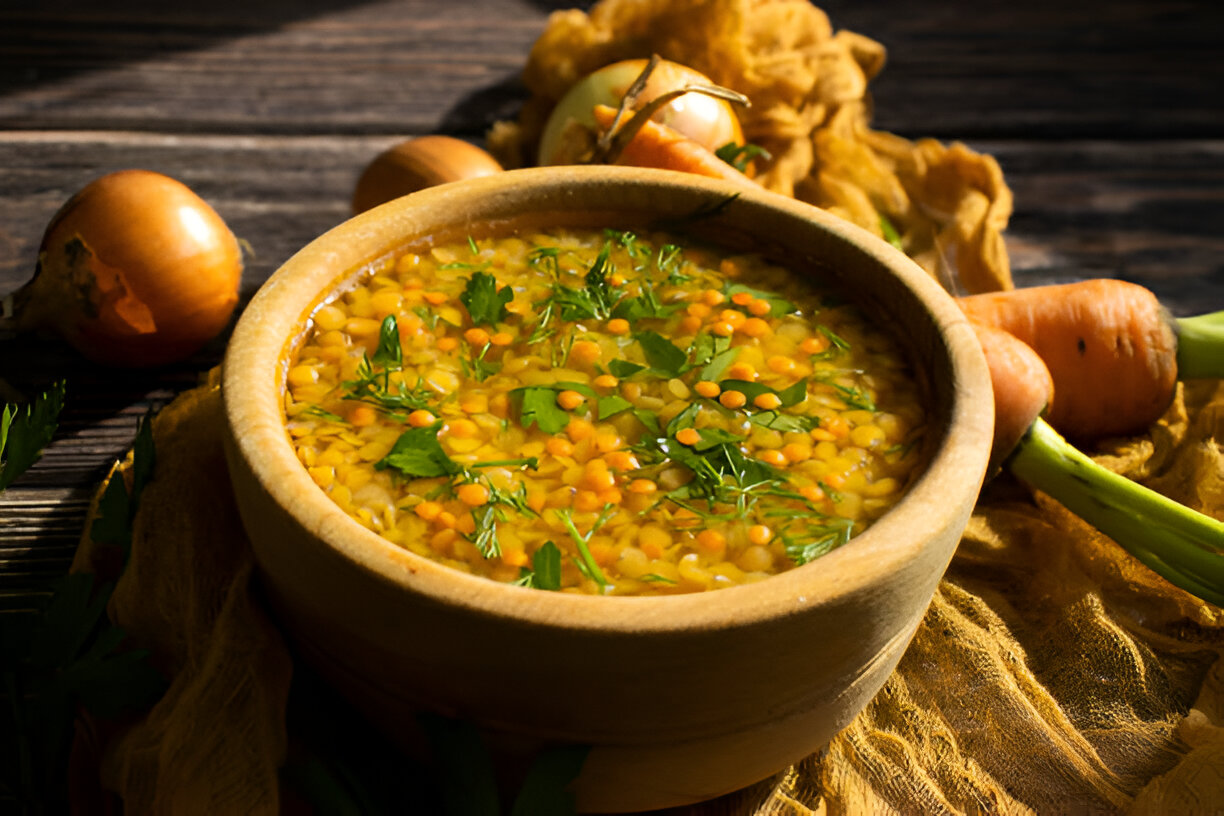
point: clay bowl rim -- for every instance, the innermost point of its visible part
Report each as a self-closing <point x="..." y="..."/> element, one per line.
<point x="252" y="381"/>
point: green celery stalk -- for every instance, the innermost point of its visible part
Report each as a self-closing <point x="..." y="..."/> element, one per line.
<point x="1180" y="544"/>
<point x="1200" y="346"/>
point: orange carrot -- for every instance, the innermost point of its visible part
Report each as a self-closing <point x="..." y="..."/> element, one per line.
<point x="1022" y="387"/>
<point x="659" y="146"/>
<point x="1108" y="345"/>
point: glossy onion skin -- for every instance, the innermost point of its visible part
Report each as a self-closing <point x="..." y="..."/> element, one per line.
<point x="418" y="163"/>
<point x="134" y="270"/>
<point x="704" y="119"/>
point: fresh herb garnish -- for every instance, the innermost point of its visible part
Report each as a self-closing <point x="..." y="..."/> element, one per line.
<point x="319" y="412"/>
<point x="669" y="260"/>
<point x="25" y="431"/>
<point x="662" y="355"/>
<point x="545" y="572"/>
<point x="596" y="299"/>
<point x="816" y="541"/>
<point x="783" y="423"/>
<point x="612" y="405"/>
<point x="778" y="305"/>
<point x="418" y="454"/>
<point x="389" y="352"/>
<point x="484" y="537"/>
<point x="645" y="305"/>
<point x="475" y="363"/>
<point x="852" y="395"/>
<point x="485" y="302"/>
<point x="739" y="155"/>
<point x="890" y="232"/>
<point x="585" y="561"/>
<point x="837" y="344"/>
<point x="374" y="385"/>
<point x="623" y="369"/>
<point x="537" y="405"/>
<point x="792" y="395"/>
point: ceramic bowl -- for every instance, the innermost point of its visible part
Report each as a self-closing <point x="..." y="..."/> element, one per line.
<point x="680" y="698"/>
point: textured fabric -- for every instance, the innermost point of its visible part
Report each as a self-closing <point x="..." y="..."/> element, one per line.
<point x="1053" y="673"/>
<point x="216" y="741"/>
<point x="810" y="109"/>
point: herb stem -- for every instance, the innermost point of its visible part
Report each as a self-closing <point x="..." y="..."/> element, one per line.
<point x="526" y="461"/>
<point x="588" y="565"/>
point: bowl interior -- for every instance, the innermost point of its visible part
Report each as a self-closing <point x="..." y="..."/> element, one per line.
<point x="886" y="285"/>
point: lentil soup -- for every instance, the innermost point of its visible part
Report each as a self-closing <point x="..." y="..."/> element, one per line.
<point x="602" y="412"/>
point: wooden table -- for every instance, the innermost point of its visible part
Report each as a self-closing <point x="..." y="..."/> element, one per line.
<point x="1105" y="116"/>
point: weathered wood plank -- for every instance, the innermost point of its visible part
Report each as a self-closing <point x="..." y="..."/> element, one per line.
<point x="1142" y="210"/>
<point x="997" y="69"/>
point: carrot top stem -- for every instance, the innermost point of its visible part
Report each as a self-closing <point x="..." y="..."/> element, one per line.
<point x="1200" y="346"/>
<point x="1183" y="546"/>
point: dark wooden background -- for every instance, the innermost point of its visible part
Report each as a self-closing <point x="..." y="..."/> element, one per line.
<point x="1106" y="118"/>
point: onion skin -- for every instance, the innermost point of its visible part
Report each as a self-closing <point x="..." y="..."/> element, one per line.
<point x="134" y="270"/>
<point x="704" y="119"/>
<point x="415" y="164"/>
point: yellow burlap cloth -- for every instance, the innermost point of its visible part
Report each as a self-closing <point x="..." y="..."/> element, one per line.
<point x="1052" y="674"/>
<point x="808" y="86"/>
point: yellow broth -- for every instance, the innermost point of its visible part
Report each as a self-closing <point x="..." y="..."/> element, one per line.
<point x="602" y="412"/>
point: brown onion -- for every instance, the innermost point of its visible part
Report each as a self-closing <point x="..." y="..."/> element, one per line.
<point x="134" y="270"/>
<point x="418" y="163"/>
<point x="705" y="119"/>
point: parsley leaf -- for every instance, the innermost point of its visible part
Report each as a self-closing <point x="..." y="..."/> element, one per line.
<point x="486" y="304"/>
<point x="612" y="405"/>
<point x="389" y="351"/>
<point x="25" y="431"/>
<point x="538" y="406"/>
<point x="644" y="305"/>
<point x="663" y="355"/>
<point x="545" y="572"/>
<point x="418" y="454"/>
<point x="778" y="305"/>
<point x="623" y="368"/>
<point x="791" y="395"/>
<point x="783" y="423"/>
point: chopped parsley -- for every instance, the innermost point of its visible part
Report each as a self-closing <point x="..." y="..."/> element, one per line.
<point x="417" y="454"/>
<point x="374" y="383"/>
<point x="484" y="301"/>
<point x="545" y="571"/>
